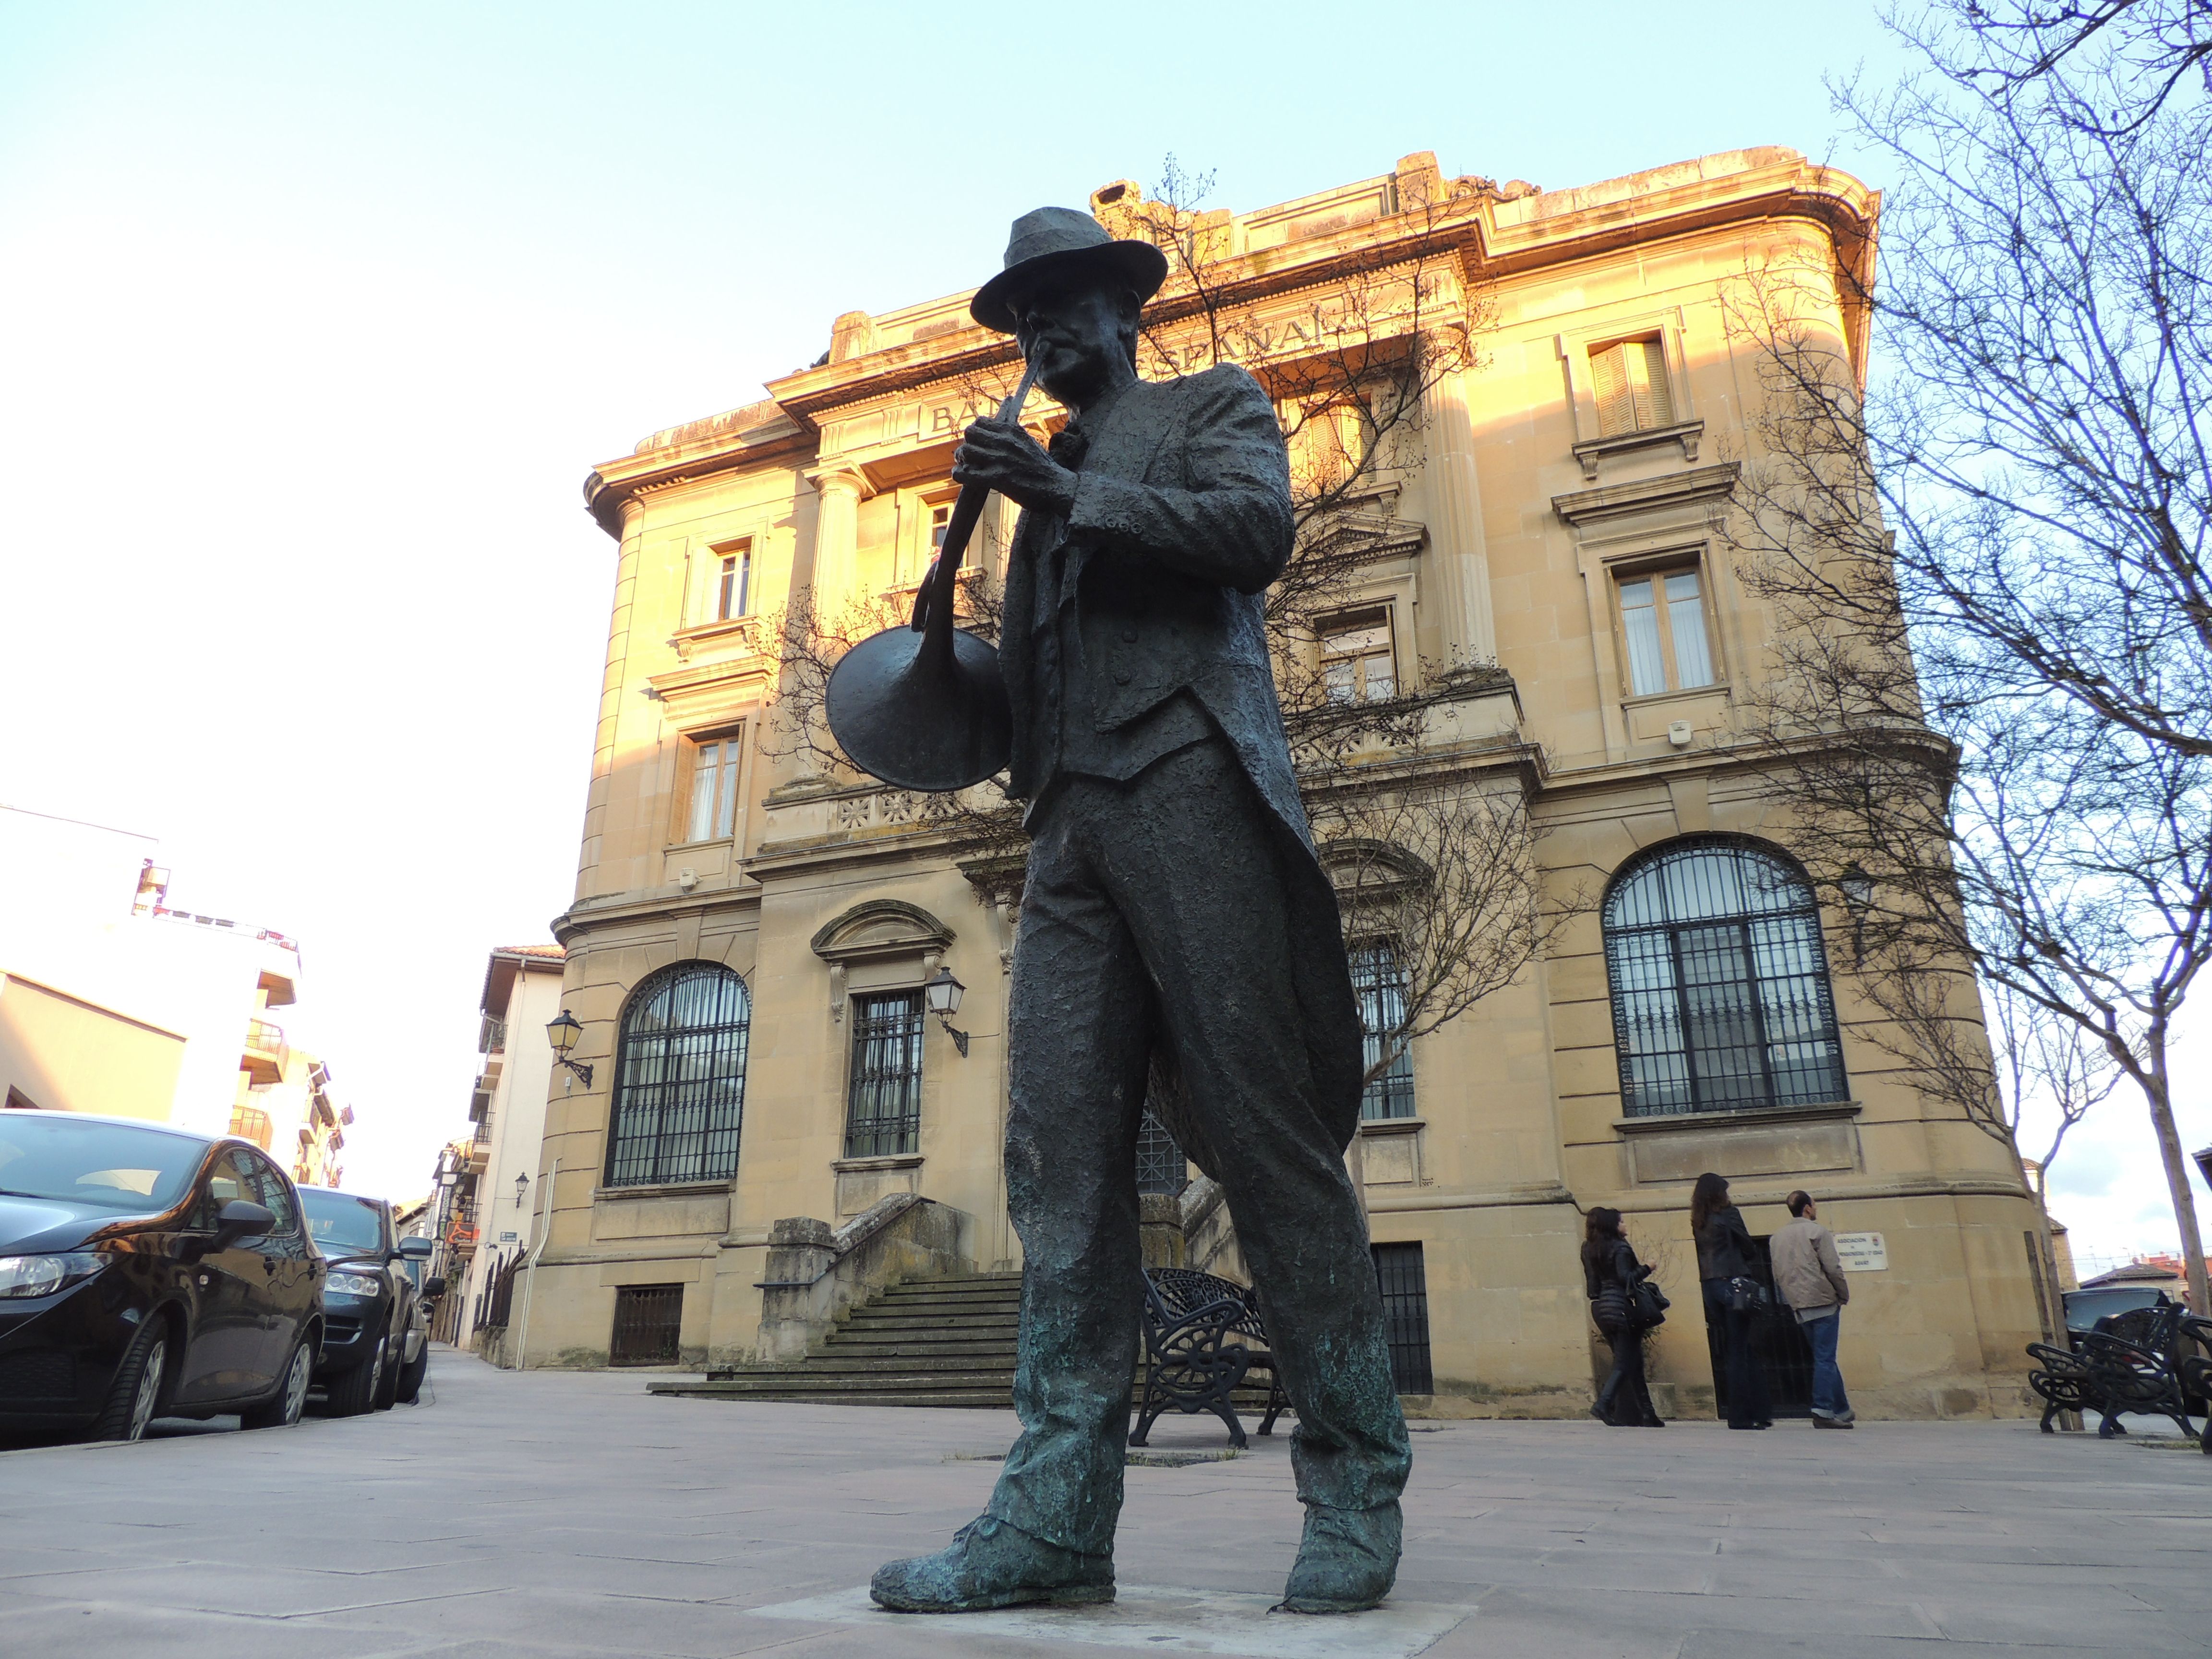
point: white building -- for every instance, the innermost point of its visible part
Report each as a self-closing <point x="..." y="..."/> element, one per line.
<point x="491" y="1223"/>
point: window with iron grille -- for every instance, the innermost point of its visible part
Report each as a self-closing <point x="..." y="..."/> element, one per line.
<point x="1161" y="1166"/>
<point x="1378" y="980"/>
<point x="648" y="1320"/>
<point x="1403" y="1278"/>
<point x="680" y="1079"/>
<point x="1720" y="1000"/>
<point x="884" y="1099"/>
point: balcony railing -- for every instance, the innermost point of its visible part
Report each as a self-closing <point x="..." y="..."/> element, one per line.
<point x="264" y="1060"/>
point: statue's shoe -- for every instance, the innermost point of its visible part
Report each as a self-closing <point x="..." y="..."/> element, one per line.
<point x="1347" y="1560"/>
<point x="993" y="1565"/>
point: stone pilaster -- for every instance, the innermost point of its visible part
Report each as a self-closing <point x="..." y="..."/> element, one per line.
<point x="1457" y="577"/>
<point x="836" y="540"/>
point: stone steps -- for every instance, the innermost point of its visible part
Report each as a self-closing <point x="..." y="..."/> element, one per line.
<point x="939" y="1342"/>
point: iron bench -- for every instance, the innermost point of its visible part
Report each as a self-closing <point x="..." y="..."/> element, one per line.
<point x="1193" y="1360"/>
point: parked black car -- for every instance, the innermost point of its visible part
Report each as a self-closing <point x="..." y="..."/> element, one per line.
<point x="145" y="1273"/>
<point x="375" y="1338"/>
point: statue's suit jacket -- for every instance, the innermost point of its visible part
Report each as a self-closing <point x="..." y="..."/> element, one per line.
<point x="1182" y="517"/>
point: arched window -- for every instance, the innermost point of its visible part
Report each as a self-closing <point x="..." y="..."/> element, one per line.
<point x="1720" y="986"/>
<point x="680" y="1078"/>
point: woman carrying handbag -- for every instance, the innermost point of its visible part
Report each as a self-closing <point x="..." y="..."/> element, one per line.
<point x="1727" y="1268"/>
<point x="1624" y="1304"/>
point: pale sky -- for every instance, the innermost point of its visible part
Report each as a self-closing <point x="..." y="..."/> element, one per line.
<point x="316" y="316"/>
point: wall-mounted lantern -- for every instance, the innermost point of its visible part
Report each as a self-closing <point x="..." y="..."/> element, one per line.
<point x="944" y="994"/>
<point x="561" y="1032"/>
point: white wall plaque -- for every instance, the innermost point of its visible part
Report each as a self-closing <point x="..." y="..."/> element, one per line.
<point x="1862" y="1252"/>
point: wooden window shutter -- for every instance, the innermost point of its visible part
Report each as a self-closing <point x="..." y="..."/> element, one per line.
<point x="1647" y="368"/>
<point x="1616" y="399"/>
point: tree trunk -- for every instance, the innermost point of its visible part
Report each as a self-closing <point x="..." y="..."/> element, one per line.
<point x="2155" y="1091"/>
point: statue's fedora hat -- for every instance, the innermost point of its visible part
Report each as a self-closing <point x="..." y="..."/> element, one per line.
<point x="1052" y="240"/>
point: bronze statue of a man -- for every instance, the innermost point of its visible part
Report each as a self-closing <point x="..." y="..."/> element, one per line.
<point x="1173" y="903"/>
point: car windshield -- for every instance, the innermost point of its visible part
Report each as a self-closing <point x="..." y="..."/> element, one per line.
<point x="118" y="1166"/>
<point x="340" y="1222"/>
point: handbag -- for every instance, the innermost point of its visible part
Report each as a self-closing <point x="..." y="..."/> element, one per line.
<point x="1747" y="1295"/>
<point x="1648" y="1304"/>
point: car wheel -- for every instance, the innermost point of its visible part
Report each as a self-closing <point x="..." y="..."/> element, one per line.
<point x="387" y="1394"/>
<point x="351" y="1393"/>
<point x="411" y="1375"/>
<point x="135" y="1395"/>
<point x="283" y="1408"/>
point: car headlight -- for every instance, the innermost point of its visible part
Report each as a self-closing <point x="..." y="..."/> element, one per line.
<point x="352" y="1284"/>
<point x="42" y="1275"/>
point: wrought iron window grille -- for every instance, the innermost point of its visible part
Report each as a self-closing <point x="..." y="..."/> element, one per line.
<point x="680" y="1079"/>
<point x="1721" y="996"/>
<point x="884" y="1096"/>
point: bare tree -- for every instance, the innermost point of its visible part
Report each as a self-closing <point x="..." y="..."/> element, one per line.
<point x="1993" y="708"/>
<point x="2152" y="50"/>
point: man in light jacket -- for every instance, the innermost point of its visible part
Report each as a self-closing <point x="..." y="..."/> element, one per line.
<point x="1811" y="1280"/>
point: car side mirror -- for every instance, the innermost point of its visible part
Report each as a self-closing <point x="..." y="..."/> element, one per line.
<point x="416" y="1250"/>
<point x="237" y="1220"/>
<point x="433" y="1287"/>
<point x="240" y="1218"/>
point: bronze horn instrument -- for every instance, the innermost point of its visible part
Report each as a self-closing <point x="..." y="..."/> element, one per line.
<point x="923" y="707"/>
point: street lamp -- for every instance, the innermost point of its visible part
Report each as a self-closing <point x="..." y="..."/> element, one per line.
<point x="944" y="994"/>
<point x="561" y="1032"/>
<point x="521" y="1188"/>
<point x="1858" y="889"/>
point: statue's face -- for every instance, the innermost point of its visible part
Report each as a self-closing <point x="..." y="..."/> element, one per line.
<point x="1072" y="329"/>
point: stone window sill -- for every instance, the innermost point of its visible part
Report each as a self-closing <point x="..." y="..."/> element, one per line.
<point x="1662" y="1123"/>
<point x="1392" y="1126"/>
<point x="667" y="1190"/>
<point x="1590" y="450"/>
<point x="888" y="1161"/>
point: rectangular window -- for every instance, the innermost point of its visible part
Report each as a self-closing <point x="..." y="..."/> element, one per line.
<point x="736" y="583"/>
<point x="716" y="774"/>
<point x="883" y="1114"/>
<point x="1161" y="1166"/>
<point x="1358" y="662"/>
<point x="648" y="1324"/>
<point x="1630" y="380"/>
<point x="1404" y="1281"/>
<point x="1378" y="980"/>
<point x="1663" y="618"/>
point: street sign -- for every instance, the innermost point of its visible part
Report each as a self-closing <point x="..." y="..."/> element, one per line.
<point x="1862" y="1252"/>
<point x="510" y="1239"/>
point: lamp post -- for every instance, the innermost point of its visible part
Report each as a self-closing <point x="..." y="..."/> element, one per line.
<point x="521" y="1189"/>
<point x="944" y="993"/>
<point x="561" y="1032"/>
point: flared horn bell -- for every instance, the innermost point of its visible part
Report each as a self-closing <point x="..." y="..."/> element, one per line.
<point x="919" y="718"/>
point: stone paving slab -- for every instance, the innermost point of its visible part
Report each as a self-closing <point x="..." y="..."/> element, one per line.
<point x="562" y="1513"/>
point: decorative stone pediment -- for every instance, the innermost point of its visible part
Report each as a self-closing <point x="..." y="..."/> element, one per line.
<point x="1361" y="868"/>
<point x="879" y="928"/>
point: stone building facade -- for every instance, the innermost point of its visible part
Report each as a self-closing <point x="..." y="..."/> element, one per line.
<point x="750" y="933"/>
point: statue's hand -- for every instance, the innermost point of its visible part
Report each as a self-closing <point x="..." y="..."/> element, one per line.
<point x="1001" y="456"/>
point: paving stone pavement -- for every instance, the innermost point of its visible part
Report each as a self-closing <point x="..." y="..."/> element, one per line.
<point x="571" y="1513"/>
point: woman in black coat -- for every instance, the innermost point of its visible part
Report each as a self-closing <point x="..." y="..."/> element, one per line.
<point x="1725" y="1253"/>
<point x="1610" y="1273"/>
